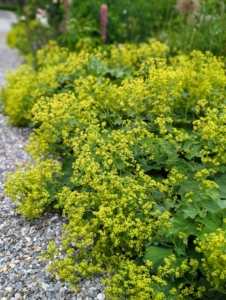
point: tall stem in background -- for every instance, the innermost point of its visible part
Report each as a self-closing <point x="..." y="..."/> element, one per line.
<point x="67" y="11"/>
<point x="103" y="20"/>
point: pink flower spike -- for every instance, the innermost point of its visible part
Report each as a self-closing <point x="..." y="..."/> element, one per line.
<point x="103" y="20"/>
<point x="67" y="9"/>
<point x="40" y="10"/>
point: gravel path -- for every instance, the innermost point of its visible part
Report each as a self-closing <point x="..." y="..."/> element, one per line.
<point x="22" y="274"/>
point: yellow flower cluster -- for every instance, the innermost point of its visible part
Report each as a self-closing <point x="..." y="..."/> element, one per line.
<point x="130" y="56"/>
<point x="211" y="130"/>
<point x="136" y="281"/>
<point x="27" y="187"/>
<point x="212" y="246"/>
<point x="57" y="70"/>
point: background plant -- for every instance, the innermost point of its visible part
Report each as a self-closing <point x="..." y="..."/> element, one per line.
<point x="135" y="22"/>
<point x="29" y="34"/>
<point x="203" y="31"/>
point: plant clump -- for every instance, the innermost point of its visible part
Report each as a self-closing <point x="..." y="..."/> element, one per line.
<point x="129" y="146"/>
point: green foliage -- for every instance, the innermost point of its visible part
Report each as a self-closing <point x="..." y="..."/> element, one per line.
<point x="203" y="30"/>
<point x="54" y="10"/>
<point x="204" y="35"/>
<point x="127" y="21"/>
<point x="131" y="147"/>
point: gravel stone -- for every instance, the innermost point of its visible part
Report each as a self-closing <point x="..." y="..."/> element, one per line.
<point x="23" y="274"/>
<point x="17" y="296"/>
<point x="92" y="292"/>
<point x="100" y="296"/>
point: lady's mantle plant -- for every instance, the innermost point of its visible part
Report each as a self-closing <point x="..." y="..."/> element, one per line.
<point x="138" y="167"/>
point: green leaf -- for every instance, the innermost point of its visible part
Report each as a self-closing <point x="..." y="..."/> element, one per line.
<point x="212" y="206"/>
<point x="187" y="145"/>
<point x="190" y="185"/>
<point x="213" y="194"/>
<point x="158" y="196"/>
<point x="73" y="121"/>
<point x="142" y="217"/>
<point x="52" y="188"/>
<point x="171" y="154"/>
<point x="212" y="222"/>
<point x="120" y="164"/>
<point x="194" y="152"/>
<point x="117" y="121"/>
<point x="190" y="211"/>
<point x="67" y="171"/>
<point x="67" y="163"/>
<point x="95" y="66"/>
<point x="103" y="116"/>
<point x="220" y="179"/>
<point x="180" y="251"/>
<point x="88" y="215"/>
<point x="138" y="261"/>
<point x="156" y="255"/>
<point x="144" y="165"/>
<point x="222" y="203"/>
<point x="183" y="166"/>
<point x="159" y="239"/>
<point x="203" y="213"/>
<point x="161" y="159"/>
<point x="179" y="224"/>
<point x="145" y="141"/>
<point x="117" y="73"/>
<point x="222" y="168"/>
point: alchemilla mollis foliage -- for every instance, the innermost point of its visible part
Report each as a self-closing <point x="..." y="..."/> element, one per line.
<point x="130" y="146"/>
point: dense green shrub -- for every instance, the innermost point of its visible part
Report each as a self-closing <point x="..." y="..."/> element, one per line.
<point x="138" y="168"/>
